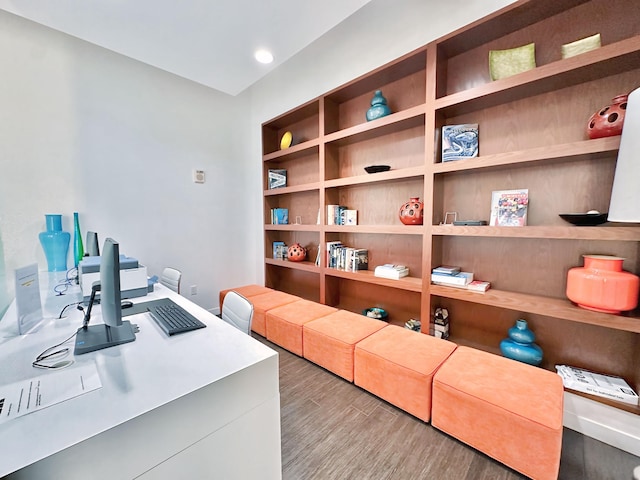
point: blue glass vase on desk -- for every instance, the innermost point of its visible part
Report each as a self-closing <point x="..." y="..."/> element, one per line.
<point x="55" y="243"/>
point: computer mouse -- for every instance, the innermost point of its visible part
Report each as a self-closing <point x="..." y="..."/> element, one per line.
<point x="126" y="304"/>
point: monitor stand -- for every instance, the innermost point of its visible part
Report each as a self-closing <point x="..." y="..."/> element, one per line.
<point x="97" y="337"/>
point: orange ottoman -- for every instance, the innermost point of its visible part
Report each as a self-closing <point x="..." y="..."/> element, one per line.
<point x="329" y="341"/>
<point x="246" y="291"/>
<point x="509" y="410"/>
<point x="398" y="365"/>
<point x="265" y="302"/>
<point x="284" y="324"/>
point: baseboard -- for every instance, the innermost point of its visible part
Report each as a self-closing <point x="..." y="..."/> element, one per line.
<point x="607" y="424"/>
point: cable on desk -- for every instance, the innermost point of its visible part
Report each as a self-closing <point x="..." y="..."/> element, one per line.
<point x="79" y="307"/>
<point x="58" y="354"/>
<point x="61" y="288"/>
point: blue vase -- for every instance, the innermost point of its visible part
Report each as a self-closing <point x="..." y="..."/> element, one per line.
<point x="78" y="247"/>
<point x="379" y="107"/>
<point x="519" y="346"/>
<point x="55" y="243"/>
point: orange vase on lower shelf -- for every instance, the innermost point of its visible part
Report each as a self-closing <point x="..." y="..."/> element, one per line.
<point x="602" y="285"/>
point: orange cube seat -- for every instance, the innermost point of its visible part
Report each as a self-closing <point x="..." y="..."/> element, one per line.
<point x="398" y="365"/>
<point x="330" y="341"/>
<point x="246" y="291"/>
<point x="284" y="324"/>
<point x="508" y="410"/>
<point x="264" y="302"/>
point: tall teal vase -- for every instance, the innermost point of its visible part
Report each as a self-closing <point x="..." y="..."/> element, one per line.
<point x="78" y="247"/>
<point x="379" y="107"/>
<point x="519" y="346"/>
<point x="55" y="243"/>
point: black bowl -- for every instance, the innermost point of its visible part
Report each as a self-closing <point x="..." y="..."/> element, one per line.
<point x="377" y="168"/>
<point x="584" y="219"/>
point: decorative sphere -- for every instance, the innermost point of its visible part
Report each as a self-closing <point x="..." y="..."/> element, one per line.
<point x="411" y="212"/>
<point x="296" y="253"/>
<point x="608" y="121"/>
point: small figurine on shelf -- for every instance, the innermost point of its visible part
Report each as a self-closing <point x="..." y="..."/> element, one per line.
<point x="379" y="107"/>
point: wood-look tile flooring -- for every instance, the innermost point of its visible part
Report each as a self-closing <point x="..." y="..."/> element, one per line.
<point x="332" y="429"/>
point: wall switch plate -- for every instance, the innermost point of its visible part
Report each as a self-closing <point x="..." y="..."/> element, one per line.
<point x="194" y="289"/>
<point x="198" y="176"/>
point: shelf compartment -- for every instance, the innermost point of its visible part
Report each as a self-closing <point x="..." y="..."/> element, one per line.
<point x="406" y="283"/>
<point x="293" y="228"/>
<point x="303" y="282"/>
<point x="631" y="234"/>
<point x="300" y="203"/>
<point x="304" y="266"/>
<point x="303" y="123"/>
<point x="581" y="150"/>
<point x="293" y="153"/>
<point x="402" y="173"/>
<point x="308" y="187"/>
<point x="551" y="307"/>
<point x="403" y="84"/>
<point x="607" y="60"/>
<point x="377" y="229"/>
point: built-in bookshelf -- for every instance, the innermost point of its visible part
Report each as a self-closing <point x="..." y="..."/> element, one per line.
<point x="532" y="134"/>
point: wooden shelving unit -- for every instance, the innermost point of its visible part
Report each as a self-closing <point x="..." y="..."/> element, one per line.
<point x="532" y="135"/>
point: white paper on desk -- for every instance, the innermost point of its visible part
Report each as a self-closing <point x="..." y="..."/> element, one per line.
<point x="28" y="302"/>
<point x="33" y="394"/>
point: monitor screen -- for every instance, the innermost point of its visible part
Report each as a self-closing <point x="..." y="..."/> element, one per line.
<point x="93" y="249"/>
<point x="110" y="298"/>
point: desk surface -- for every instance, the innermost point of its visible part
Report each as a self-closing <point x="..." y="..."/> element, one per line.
<point x="136" y="378"/>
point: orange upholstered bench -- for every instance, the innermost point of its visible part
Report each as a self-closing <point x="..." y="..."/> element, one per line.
<point x="264" y="302"/>
<point x="284" y="324"/>
<point x="398" y="366"/>
<point x="246" y="291"/>
<point x="509" y="410"/>
<point x="330" y="341"/>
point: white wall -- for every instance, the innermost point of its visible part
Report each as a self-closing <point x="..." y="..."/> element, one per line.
<point x="84" y="129"/>
<point x="378" y="33"/>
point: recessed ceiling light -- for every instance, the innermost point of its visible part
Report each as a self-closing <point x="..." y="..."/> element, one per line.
<point x="264" y="56"/>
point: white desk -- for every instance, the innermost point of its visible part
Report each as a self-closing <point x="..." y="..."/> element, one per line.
<point x="203" y="404"/>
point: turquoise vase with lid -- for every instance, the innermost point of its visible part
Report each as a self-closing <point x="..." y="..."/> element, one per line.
<point x="379" y="107"/>
<point x="519" y="346"/>
<point x="78" y="247"/>
<point x="55" y="243"/>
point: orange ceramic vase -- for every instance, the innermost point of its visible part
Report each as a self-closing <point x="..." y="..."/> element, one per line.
<point x="602" y="285"/>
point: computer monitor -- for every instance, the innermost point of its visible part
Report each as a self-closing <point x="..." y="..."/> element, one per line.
<point x="93" y="249"/>
<point x="114" y="331"/>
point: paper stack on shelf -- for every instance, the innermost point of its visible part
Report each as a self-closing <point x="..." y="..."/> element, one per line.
<point x="459" y="279"/>
<point x="606" y="386"/>
<point x="391" y="271"/>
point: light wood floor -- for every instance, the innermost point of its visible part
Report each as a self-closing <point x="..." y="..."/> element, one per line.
<point x="332" y="429"/>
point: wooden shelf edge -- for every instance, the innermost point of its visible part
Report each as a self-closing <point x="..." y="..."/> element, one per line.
<point x="292" y="151"/>
<point x="376" y="229"/>
<point x="293" y="228"/>
<point x="569" y="232"/>
<point x="566" y="151"/>
<point x="547" y="306"/>
<point x="400" y="174"/>
<point x="308" y="187"/>
<point x="305" y="266"/>
<point x="411" y="284"/>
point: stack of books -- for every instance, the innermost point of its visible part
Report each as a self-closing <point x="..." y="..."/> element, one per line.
<point x="440" y="326"/>
<point x="389" y="270"/>
<point x="452" y="276"/>
<point x="413" y="324"/>
<point x="349" y="259"/>
<point x="341" y="215"/>
<point x="280" y="216"/>
<point x="606" y="386"/>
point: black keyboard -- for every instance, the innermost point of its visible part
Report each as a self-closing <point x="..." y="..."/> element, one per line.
<point x="172" y="318"/>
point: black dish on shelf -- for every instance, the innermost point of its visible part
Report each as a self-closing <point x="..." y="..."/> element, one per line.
<point x="377" y="168"/>
<point x="584" y="219"/>
<point x="376" y="313"/>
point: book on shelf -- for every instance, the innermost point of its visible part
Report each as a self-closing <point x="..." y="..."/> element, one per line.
<point x="459" y="279"/>
<point x="607" y="386"/>
<point x="277" y="178"/>
<point x="479" y="286"/>
<point x="279" y="216"/>
<point x="446" y="270"/>
<point x="318" y="257"/>
<point x="459" y="141"/>
<point x="349" y="217"/>
<point x="360" y="259"/>
<point x="389" y="270"/>
<point x="279" y="250"/>
<point x="509" y="208"/>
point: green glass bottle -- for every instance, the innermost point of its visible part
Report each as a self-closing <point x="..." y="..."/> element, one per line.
<point x="78" y="247"/>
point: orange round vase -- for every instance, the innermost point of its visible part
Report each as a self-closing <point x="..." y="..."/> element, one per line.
<point x="411" y="212"/>
<point x="608" y="121"/>
<point x="602" y="285"/>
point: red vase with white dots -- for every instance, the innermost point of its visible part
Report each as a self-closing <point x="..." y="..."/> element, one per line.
<point x="412" y="211"/>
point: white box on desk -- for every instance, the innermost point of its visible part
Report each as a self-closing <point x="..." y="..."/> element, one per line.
<point x="133" y="283"/>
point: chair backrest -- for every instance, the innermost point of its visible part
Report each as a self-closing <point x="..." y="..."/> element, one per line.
<point x="171" y="279"/>
<point x="237" y="311"/>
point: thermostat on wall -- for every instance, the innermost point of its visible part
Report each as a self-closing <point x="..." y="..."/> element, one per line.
<point x="198" y="176"/>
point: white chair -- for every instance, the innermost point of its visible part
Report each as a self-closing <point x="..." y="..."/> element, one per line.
<point x="171" y="279"/>
<point x="237" y="311"/>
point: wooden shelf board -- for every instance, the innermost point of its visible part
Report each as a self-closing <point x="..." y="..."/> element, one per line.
<point x="293" y="227"/>
<point x="395" y="122"/>
<point x="412" y="284"/>
<point x="584" y="149"/>
<point x="377" y="229"/>
<point x="401" y="174"/>
<point x="569" y="232"/>
<point x="608" y="60"/>
<point x="291" y="153"/>
<point x="308" y="187"/>
<point x="635" y="409"/>
<point x="305" y="266"/>
<point x="550" y="307"/>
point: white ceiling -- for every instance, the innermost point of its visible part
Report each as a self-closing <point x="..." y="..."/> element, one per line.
<point x="211" y="42"/>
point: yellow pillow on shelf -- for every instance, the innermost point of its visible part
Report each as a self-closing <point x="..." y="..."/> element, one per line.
<point x="581" y="46"/>
<point x="505" y="63"/>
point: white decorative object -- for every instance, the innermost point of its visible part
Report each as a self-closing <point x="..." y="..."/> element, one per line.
<point x="581" y="46"/>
